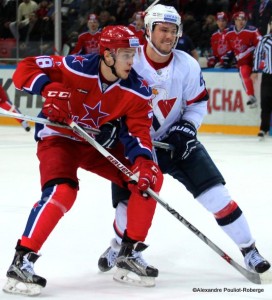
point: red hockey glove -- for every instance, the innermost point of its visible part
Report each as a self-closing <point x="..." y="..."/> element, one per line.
<point x="57" y="106"/>
<point x="149" y="174"/>
<point x="211" y="61"/>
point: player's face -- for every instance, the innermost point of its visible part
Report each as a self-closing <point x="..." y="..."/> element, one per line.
<point x="222" y="24"/>
<point x="93" y="25"/>
<point x="139" y="23"/>
<point x="240" y="23"/>
<point x="164" y="37"/>
<point x="123" y="61"/>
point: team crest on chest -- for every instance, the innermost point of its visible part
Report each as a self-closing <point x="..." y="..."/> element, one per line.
<point x="160" y="101"/>
<point x="94" y="114"/>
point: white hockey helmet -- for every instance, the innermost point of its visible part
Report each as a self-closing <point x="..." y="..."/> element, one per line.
<point x="162" y="14"/>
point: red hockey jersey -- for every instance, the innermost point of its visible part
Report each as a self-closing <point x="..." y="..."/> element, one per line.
<point x="243" y="43"/>
<point x="91" y="105"/>
<point x="87" y="43"/>
<point x="219" y="44"/>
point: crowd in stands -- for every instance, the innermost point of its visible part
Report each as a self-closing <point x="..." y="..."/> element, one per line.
<point x="33" y="21"/>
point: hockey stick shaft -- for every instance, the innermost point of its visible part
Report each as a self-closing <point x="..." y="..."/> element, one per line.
<point x="9" y="114"/>
<point x="253" y="277"/>
<point x="151" y="5"/>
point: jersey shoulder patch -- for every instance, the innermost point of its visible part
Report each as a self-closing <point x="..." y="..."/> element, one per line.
<point x="87" y="64"/>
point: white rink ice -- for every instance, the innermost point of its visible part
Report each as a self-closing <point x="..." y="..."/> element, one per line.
<point x="69" y="257"/>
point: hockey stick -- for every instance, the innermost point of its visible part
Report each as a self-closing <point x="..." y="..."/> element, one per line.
<point x="151" y="5"/>
<point x="253" y="277"/>
<point x="9" y="114"/>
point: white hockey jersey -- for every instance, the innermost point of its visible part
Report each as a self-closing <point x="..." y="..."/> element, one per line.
<point x="177" y="90"/>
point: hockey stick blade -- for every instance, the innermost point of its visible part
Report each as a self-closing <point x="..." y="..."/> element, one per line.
<point x="8" y="114"/>
<point x="256" y="278"/>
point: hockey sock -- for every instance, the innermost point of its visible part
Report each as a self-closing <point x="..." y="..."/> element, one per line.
<point x="46" y="213"/>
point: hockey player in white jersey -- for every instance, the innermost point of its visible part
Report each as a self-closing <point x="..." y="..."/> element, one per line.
<point x="179" y="103"/>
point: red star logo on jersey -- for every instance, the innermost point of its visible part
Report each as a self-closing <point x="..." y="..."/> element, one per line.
<point x="79" y="59"/>
<point x="238" y="44"/>
<point x="94" y="114"/>
<point x="144" y="84"/>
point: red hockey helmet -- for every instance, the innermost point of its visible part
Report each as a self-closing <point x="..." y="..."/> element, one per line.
<point x="221" y="16"/>
<point x="239" y="15"/>
<point x="118" y="36"/>
<point x="140" y="15"/>
<point x="93" y="18"/>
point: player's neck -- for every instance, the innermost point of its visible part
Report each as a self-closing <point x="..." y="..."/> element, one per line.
<point x="159" y="63"/>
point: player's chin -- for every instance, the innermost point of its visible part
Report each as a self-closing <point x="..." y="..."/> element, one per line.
<point x="167" y="49"/>
<point x="124" y="74"/>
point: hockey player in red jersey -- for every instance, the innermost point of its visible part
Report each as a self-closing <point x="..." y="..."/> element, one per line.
<point x="242" y="39"/>
<point x="138" y="26"/>
<point x="94" y="91"/>
<point x="180" y="104"/>
<point x="6" y="104"/>
<point x="88" y="42"/>
<point x="221" y="56"/>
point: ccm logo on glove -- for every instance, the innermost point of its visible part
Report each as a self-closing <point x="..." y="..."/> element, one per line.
<point x="57" y="107"/>
<point x="57" y="94"/>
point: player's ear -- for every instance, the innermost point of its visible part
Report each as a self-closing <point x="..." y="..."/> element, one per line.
<point x="108" y="57"/>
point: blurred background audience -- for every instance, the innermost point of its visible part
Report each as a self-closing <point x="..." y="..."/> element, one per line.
<point x="27" y="21"/>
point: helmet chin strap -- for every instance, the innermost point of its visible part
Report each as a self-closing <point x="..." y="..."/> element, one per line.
<point x="148" y="38"/>
<point x="113" y="70"/>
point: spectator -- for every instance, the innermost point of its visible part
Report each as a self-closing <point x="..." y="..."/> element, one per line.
<point x="42" y="11"/>
<point x="108" y="5"/>
<point x="88" y="42"/>
<point x="186" y="44"/>
<point x="208" y="28"/>
<point x="220" y="56"/>
<point x="264" y="50"/>
<point x="122" y="13"/>
<point x="138" y="26"/>
<point x="134" y="6"/>
<point x="19" y="27"/>
<point x="106" y="19"/>
<point x="242" y="40"/>
<point x="192" y="7"/>
<point x="39" y="37"/>
<point x="7" y="15"/>
<point x="191" y="27"/>
<point x="262" y="11"/>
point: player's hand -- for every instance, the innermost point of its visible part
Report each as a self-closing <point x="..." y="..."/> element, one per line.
<point x="183" y="136"/>
<point x="57" y="105"/>
<point x="150" y="176"/>
<point x="108" y="136"/>
<point x="211" y="61"/>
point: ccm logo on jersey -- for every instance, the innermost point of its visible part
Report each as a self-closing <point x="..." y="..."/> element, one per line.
<point x="57" y="94"/>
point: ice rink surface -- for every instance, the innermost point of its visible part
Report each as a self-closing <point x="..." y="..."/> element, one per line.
<point x="69" y="256"/>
